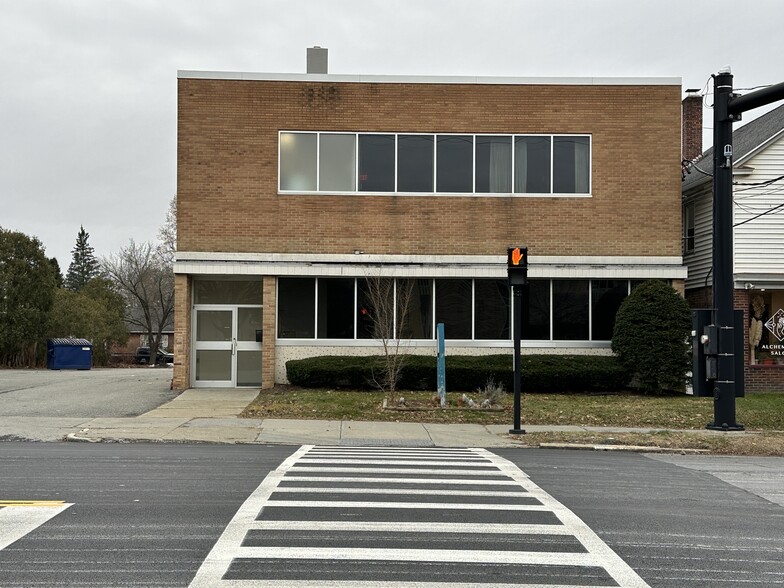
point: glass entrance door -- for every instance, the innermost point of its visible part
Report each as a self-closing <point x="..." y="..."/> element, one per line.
<point x="227" y="346"/>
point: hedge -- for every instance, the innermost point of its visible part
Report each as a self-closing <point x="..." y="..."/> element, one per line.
<point x="541" y="373"/>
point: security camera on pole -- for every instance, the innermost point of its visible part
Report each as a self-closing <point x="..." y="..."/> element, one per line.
<point x="517" y="271"/>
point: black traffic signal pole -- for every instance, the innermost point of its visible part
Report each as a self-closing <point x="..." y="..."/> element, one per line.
<point x="517" y="272"/>
<point x="726" y="110"/>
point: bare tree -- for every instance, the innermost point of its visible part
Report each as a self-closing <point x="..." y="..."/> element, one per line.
<point x="167" y="233"/>
<point x="145" y="279"/>
<point x="389" y="301"/>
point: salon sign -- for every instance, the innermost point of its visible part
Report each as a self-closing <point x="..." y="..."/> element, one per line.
<point x="775" y="324"/>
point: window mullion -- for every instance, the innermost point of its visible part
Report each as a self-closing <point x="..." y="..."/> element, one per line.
<point x="315" y="308"/>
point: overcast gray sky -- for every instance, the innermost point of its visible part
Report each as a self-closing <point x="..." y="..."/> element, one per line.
<point x="88" y="87"/>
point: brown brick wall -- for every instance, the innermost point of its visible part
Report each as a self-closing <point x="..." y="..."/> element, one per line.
<point x="182" y="330"/>
<point x="692" y="127"/>
<point x="268" y="338"/>
<point x="228" y="150"/>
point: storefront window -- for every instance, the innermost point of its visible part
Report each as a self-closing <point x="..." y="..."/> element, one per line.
<point x="766" y="328"/>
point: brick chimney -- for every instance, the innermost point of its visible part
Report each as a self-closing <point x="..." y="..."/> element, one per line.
<point x="691" y="121"/>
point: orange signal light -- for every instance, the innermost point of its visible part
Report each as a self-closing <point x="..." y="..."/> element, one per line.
<point x="517" y="256"/>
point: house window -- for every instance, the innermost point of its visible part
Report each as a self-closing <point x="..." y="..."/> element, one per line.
<point x="455" y="163"/>
<point x="435" y="164"/>
<point x="766" y="327"/>
<point x="298" y="161"/>
<point x="335" y="308"/>
<point x="454" y="303"/>
<point x="688" y="228"/>
<point x="377" y="163"/>
<point x="532" y="165"/>
<point x="337" y="162"/>
<point x="296" y="308"/>
<point x="493" y="164"/>
<point x="571" y="165"/>
<point x="415" y="163"/>
<point x="606" y="299"/>
<point x="491" y="309"/>
<point x="570" y="310"/>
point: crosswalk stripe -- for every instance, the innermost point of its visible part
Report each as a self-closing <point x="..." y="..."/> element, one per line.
<point x="345" y="471"/>
<point x="429" y="527"/>
<point x="17" y="520"/>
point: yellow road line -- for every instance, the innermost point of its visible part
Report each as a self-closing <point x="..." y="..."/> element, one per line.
<point x="31" y="503"/>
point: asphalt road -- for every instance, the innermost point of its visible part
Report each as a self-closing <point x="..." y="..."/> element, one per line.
<point x="149" y="515"/>
<point x="108" y="392"/>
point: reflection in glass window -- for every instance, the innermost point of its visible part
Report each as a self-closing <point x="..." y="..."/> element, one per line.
<point x="376" y="308"/>
<point x="453" y="308"/>
<point x="455" y="163"/>
<point x="532" y="165"/>
<point x="336" y="308"/>
<point x="337" y="161"/>
<point x="493" y="164"/>
<point x="296" y="308"/>
<point x="417" y="323"/>
<point x="491" y="309"/>
<point x="377" y="163"/>
<point x="536" y="311"/>
<point x="415" y="163"/>
<point x="571" y="165"/>
<point x="298" y="161"/>
<point x="606" y="299"/>
<point x="570" y="310"/>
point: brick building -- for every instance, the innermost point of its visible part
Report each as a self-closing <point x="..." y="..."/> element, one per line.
<point x="294" y="190"/>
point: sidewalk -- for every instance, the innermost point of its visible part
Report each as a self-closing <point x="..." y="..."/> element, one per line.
<point x="210" y="415"/>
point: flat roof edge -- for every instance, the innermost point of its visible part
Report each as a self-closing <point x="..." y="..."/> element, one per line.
<point x="392" y="79"/>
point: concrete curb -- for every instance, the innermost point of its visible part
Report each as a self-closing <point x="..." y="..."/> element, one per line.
<point x="629" y="448"/>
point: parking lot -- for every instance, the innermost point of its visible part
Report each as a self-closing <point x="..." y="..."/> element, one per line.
<point x="103" y="392"/>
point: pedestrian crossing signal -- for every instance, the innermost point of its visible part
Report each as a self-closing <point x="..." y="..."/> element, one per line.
<point x="517" y="265"/>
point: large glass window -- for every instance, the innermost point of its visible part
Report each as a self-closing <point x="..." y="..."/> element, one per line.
<point x="417" y="322"/>
<point x="336" y="308"/>
<point x="493" y="164"/>
<point x="337" y="162"/>
<point x="571" y="165"/>
<point x="298" y="161"/>
<point x="570" y="310"/>
<point x="377" y="163"/>
<point x="536" y="311"/>
<point x="415" y="163"/>
<point x="491" y="314"/>
<point x="440" y="164"/>
<point x="227" y="292"/>
<point x="606" y="299"/>
<point x="454" y="163"/>
<point x="296" y="308"/>
<point x="453" y="308"/>
<point x="532" y="165"/>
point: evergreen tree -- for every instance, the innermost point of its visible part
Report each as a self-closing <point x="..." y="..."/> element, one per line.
<point x="58" y="275"/>
<point x="84" y="266"/>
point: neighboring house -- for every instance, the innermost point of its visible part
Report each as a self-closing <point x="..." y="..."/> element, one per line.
<point x="758" y="241"/>
<point x="294" y="189"/>
<point x="140" y="338"/>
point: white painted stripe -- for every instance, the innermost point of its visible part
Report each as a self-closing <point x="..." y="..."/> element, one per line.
<point x="390" y="470"/>
<point x="402" y="505"/>
<point x="381" y="584"/>
<point x="423" y="481"/>
<point x="402" y="491"/>
<point x="395" y="457"/>
<point x="463" y="528"/>
<point x="218" y="560"/>
<point x="18" y="521"/>
<point x="620" y="571"/>
<point x="387" y="462"/>
<point x="544" y="558"/>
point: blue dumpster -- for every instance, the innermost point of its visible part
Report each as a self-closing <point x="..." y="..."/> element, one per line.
<point x="69" y="354"/>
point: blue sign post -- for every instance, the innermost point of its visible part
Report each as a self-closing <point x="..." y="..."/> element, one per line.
<point x="441" y="364"/>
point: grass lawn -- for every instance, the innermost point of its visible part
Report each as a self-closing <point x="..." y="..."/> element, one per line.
<point x="761" y="413"/>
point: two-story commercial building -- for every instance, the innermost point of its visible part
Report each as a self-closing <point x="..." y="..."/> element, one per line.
<point x="294" y="190"/>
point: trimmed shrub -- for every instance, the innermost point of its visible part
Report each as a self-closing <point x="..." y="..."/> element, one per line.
<point x="651" y="336"/>
<point x="541" y="373"/>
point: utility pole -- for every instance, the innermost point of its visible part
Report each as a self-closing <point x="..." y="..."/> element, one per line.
<point x="727" y="109"/>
